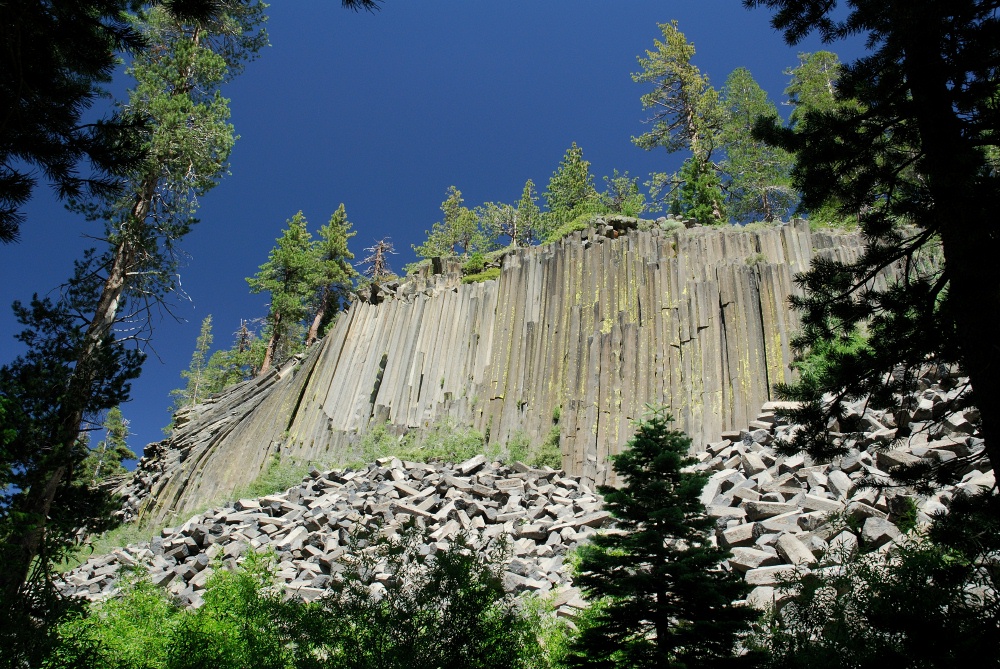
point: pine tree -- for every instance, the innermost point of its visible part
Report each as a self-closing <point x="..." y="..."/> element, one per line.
<point x="458" y="232"/>
<point x="196" y="374"/>
<point x="812" y="91"/>
<point x="911" y="153"/>
<point x="699" y="194"/>
<point x="105" y="459"/>
<point x="663" y="600"/>
<point x="335" y="272"/>
<point x="186" y="148"/>
<point x="571" y="189"/>
<point x="376" y="265"/>
<point x="529" y="216"/>
<point x="45" y="491"/>
<point x="759" y="174"/>
<point x="686" y="112"/>
<point x="622" y="196"/>
<point x="290" y="276"/>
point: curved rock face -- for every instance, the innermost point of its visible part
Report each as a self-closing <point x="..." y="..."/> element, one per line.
<point x="591" y="329"/>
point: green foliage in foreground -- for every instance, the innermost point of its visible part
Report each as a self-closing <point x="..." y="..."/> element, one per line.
<point x="930" y="602"/>
<point x="448" y="610"/>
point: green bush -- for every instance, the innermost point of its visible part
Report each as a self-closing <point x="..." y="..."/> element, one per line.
<point x="243" y="623"/>
<point x="548" y="454"/>
<point x="475" y="264"/>
<point x="449" y="610"/>
<point x="277" y="477"/>
<point x="581" y="222"/>
<point x="486" y="275"/>
<point x="929" y="601"/>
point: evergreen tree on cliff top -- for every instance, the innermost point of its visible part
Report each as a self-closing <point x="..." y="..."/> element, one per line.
<point x="916" y="155"/>
<point x="571" y="189"/>
<point x="663" y="600"/>
<point x="289" y="276"/>
<point x="335" y="273"/>
<point x="686" y="116"/>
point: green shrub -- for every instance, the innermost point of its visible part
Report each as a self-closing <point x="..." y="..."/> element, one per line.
<point x="475" y="264"/>
<point x="548" y="454"/>
<point x="486" y="275"/>
<point x="518" y="447"/>
<point x="277" y="477"/>
<point x="581" y="222"/>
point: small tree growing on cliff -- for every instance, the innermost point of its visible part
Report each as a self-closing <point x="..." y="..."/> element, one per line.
<point x="289" y="275"/>
<point x="334" y="270"/>
<point x="105" y="459"/>
<point x="377" y="263"/>
<point x="663" y="600"/>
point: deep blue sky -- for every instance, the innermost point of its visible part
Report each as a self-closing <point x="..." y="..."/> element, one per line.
<point x="383" y="112"/>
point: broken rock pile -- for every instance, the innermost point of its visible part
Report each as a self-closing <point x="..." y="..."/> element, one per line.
<point x="784" y="515"/>
<point x="541" y="513"/>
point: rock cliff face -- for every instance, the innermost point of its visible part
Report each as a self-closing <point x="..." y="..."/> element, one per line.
<point x="592" y="329"/>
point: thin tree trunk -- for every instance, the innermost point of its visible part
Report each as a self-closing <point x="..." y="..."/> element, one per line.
<point x="313" y="334"/>
<point x="965" y="221"/>
<point x="38" y="503"/>
<point x="272" y="345"/>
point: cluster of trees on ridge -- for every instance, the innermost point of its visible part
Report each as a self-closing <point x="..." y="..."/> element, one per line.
<point x="730" y="175"/>
<point x="907" y="145"/>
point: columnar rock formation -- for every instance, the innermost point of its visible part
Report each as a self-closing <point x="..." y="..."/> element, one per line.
<point x="591" y="329"/>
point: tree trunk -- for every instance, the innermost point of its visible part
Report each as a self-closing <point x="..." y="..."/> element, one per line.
<point x="962" y="214"/>
<point x="38" y="503"/>
<point x="272" y="345"/>
<point x="313" y="334"/>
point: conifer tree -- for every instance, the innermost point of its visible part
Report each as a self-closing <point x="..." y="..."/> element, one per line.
<point x="663" y="599"/>
<point x="186" y="147"/>
<point x="334" y="271"/>
<point x="911" y="157"/>
<point x="571" y="189"/>
<point x="759" y="174"/>
<point x="376" y="264"/>
<point x="105" y="459"/>
<point x="45" y="490"/>
<point x="812" y="92"/>
<point x="622" y="195"/>
<point x="459" y="230"/>
<point x="686" y="116"/>
<point x="290" y="276"/>
<point x="529" y="215"/>
<point x="196" y="388"/>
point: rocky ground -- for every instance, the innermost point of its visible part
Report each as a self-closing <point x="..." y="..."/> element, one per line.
<point x="776" y="514"/>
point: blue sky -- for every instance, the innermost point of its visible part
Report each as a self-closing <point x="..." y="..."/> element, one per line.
<point x="383" y="112"/>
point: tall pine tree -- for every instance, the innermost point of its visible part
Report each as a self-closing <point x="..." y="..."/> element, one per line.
<point x="289" y="276"/>
<point x="759" y="182"/>
<point x="663" y="600"/>
<point x="571" y="189"/>
<point x="686" y="116"/>
<point x="334" y="271"/>
<point x="187" y="144"/>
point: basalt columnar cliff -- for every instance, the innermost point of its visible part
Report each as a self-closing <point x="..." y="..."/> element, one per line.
<point x="590" y="329"/>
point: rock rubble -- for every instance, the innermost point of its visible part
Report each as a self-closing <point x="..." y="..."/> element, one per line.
<point x="540" y="513"/>
<point x="778" y="515"/>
